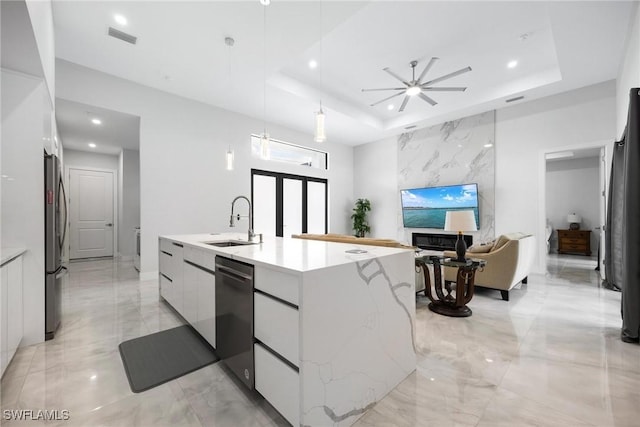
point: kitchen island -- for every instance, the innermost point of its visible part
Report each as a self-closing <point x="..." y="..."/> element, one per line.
<point x="334" y="328"/>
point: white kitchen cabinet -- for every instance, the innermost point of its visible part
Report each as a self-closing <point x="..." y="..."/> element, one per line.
<point x="278" y="383"/>
<point x="206" y="323"/>
<point x="11" y="311"/>
<point x="190" y="293"/>
<point x="200" y="292"/>
<point x="4" y="324"/>
<point x="171" y="259"/>
<point x="277" y="283"/>
<point x="276" y="324"/>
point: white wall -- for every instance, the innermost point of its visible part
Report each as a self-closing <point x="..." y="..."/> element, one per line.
<point x="523" y="133"/>
<point x="572" y="186"/>
<point x="184" y="187"/>
<point x="41" y="15"/>
<point x="89" y="159"/>
<point x="130" y="201"/>
<point x="375" y="177"/>
<point x="24" y="105"/>
<point x="629" y="74"/>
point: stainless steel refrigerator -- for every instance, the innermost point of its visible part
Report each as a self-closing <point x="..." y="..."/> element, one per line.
<point x="55" y="214"/>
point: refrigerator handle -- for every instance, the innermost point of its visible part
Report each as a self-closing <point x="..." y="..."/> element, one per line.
<point x="64" y="202"/>
<point x="62" y="271"/>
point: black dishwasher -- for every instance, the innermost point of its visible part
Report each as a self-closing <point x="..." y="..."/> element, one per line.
<point x="234" y="317"/>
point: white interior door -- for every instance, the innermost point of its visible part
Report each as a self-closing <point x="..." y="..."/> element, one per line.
<point x="91" y="224"/>
<point x="292" y="207"/>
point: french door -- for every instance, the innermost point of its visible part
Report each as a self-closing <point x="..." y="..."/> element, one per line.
<point x="286" y="204"/>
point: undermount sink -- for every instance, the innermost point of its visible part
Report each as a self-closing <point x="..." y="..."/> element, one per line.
<point x="227" y="243"/>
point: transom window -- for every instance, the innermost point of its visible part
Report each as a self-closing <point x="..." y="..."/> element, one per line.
<point x="280" y="151"/>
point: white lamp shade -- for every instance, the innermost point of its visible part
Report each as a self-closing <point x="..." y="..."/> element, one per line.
<point x="229" y="160"/>
<point x="320" y="135"/>
<point x="571" y="218"/>
<point x="265" y="150"/>
<point x="460" y="221"/>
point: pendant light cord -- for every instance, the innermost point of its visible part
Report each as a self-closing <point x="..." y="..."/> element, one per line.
<point x="321" y="58"/>
<point x="264" y="71"/>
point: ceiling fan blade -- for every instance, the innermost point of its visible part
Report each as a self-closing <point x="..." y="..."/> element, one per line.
<point x="444" y="89"/>
<point x="426" y="98"/>
<point x="395" y="75"/>
<point x="427" y="68"/>
<point x="386" y="99"/>
<point x="387" y="88"/>
<point x="404" y="103"/>
<point x="447" y="76"/>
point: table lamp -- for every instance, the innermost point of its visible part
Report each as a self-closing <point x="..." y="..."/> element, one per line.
<point x="460" y="221"/>
<point x="574" y="221"/>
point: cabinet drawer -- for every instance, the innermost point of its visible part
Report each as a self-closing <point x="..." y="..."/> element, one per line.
<point x="165" y="245"/>
<point x="278" y="383"/>
<point x="574" y="242"/>
<point x="201" y="257"/>
<point x="580" y="248"/>
<point x="165" y="287"/>
<point x="574" y="234"/>
<point x="166" y="265"/>
<point x="279" y="284"/>
<point x="276" y="325"/>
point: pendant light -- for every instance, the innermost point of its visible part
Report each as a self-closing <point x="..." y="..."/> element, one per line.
<point x="264" y="138"/>
<point x="229" y="157"/>
<point x="319" y="134"/>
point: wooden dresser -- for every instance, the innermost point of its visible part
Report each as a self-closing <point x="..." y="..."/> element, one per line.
<point x="574" y="241"/>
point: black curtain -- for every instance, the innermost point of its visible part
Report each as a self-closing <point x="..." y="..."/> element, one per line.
<point x="622" y="263"/>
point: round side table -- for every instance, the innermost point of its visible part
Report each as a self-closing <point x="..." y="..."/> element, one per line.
<point x="450" y="305"/>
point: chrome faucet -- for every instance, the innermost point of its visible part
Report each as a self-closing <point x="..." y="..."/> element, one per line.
<point x="250" y="234"/>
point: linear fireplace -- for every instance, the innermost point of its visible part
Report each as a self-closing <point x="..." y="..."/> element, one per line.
<point x="438" y="242"/>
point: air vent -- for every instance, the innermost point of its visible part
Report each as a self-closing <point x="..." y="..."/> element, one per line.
<point x="122" y="36"/>
<point x="517" y="98"/>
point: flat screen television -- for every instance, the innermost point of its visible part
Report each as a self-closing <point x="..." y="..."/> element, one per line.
<point x="427" y="207"/>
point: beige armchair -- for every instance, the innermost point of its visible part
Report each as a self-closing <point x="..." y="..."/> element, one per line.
<point x="509" y="262"/>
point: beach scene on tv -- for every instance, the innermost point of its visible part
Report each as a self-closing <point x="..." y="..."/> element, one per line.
<point x="427" y="207"/>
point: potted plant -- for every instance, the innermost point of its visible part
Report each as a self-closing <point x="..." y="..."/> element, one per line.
<point x="359" y="217"/>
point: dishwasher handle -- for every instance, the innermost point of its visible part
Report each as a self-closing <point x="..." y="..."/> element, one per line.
<point x="233" y="273"/>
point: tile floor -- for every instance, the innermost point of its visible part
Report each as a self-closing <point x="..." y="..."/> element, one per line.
<point x="551" y="356"/>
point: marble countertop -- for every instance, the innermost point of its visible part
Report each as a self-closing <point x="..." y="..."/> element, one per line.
<point x="297" y="255"/>
<point x="7" y="254"/>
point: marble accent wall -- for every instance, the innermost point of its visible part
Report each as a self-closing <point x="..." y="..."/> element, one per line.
<point x="454" y="152"/>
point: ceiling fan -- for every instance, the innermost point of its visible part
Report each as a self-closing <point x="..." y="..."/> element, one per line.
<point x="415" y="86"/>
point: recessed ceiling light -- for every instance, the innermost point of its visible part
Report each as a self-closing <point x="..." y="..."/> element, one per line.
<point x="96" y="121"/>
<point x="92" y="145"/>
<point x="489" y="145"/>
<point x="313" y="64"/>
<point x="120" y="19"/>
<point x="512" y="64"/>
<point x="265" y="2"/>
<point x="390" y="107"/>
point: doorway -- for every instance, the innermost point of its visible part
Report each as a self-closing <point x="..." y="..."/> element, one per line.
<point x="92" y="209"/>
<point x="574" y="213"/>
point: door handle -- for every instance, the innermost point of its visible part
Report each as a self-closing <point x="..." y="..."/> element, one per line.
<point x="109" y="225"/>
